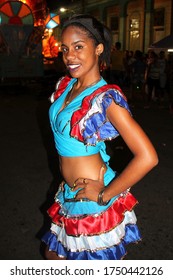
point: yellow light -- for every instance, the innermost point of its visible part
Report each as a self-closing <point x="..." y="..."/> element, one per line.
<point x="23" y="1"/>
<point x="62" y="10"/>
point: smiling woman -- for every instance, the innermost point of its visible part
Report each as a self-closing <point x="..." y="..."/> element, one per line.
<point x="93" y="216"/>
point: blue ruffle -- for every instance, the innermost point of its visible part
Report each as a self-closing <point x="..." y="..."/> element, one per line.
<point x="97" y="127"/>
<point x="132" y="234"/>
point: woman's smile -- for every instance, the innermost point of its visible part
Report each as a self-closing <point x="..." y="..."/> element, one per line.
<point x="73" y="67"/>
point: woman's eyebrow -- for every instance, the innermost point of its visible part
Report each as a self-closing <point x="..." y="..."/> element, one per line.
<point x="74" y="43"/>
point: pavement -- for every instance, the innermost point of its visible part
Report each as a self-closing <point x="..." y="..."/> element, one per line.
<point x="29" y="177"/>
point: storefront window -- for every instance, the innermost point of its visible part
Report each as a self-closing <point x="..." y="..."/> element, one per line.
<point x="134" y="32"/>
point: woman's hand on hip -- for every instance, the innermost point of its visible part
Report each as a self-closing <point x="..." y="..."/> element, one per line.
<point x="89" y="189"/>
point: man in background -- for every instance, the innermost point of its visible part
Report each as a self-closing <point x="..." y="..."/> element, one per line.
<point x="117" y="69"/>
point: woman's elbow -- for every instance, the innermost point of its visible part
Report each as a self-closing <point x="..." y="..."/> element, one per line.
<point x="153" y="160"/>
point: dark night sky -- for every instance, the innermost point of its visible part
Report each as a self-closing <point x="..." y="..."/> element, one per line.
<point x="57" y="3"/>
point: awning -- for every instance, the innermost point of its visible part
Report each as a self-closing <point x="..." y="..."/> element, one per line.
<point x="165" y="43"/>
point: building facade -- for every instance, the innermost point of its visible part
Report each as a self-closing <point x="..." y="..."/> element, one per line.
<point x="135" y="23"/>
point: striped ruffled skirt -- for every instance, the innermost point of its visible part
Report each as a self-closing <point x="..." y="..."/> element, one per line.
<point x="86" y="231"/>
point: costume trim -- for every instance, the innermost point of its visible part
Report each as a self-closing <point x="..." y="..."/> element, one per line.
<point x="89" y="124"/>
<point x="102" y="222"/>
<point x="60" y="87"/>
<point x="94" y="242"/>
<point x="115" y="252"/>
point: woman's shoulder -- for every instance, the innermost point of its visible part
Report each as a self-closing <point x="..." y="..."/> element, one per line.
<point x="106" y="93"/>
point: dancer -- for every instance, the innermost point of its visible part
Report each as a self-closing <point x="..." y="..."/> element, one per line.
<point x="93" y="216"/>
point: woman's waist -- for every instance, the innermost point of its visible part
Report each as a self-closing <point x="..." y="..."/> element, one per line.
<point x="66" y="197"/>
<point x="81" y="167"/>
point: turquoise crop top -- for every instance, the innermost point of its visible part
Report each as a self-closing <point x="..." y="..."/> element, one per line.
<point x="69" y="145"/>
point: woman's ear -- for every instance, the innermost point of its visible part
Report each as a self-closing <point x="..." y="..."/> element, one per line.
<point x="99" y="49"/>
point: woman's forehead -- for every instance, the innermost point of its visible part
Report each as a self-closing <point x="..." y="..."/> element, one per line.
<point x="74" y="29"/>
<point x="74" y="33"/>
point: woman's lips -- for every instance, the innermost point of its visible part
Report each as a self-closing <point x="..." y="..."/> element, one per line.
<point x="73" y="67"/>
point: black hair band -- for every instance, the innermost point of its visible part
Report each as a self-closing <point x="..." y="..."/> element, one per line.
<point x="85" y="22"/>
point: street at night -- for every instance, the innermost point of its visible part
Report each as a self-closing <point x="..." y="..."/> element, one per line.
<point x="138" y="57"/>
<point x="29" y="177"/>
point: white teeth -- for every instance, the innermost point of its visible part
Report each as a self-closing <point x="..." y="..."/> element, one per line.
<point x="73" y="66"/>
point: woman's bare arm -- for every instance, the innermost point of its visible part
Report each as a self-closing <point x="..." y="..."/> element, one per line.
<point x="144" y="158"/>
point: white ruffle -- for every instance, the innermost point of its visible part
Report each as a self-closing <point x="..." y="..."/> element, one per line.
<point x="96" y="108"/>
<point x="94" y="242"/>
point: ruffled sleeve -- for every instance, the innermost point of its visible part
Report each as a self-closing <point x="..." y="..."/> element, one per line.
<point x="60" y="87"/>
<point x="89" y="124"/>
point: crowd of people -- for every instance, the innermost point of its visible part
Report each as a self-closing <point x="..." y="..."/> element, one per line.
<point x="147" y="75"/>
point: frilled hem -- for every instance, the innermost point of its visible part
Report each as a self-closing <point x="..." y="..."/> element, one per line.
<point x="116" y="252"/>
<point x="102" y="222"/>
<point x="98" y="236"/>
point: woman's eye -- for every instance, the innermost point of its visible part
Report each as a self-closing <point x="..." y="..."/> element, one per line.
<point x="78" y="47"/>
<point x="64" y="50"/>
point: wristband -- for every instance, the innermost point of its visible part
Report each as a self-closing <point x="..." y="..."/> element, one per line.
<point x="100" y="199"/>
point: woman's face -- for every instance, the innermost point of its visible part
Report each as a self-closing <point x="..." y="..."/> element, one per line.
<point x="80" y="55"/>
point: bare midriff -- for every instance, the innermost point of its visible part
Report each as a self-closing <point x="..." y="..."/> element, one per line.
<point x="73" y="168"/>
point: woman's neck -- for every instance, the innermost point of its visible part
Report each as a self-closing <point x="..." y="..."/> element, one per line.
<point x="78" y="88"/>
<point x="81" y="85"/>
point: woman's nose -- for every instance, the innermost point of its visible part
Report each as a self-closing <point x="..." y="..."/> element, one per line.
<point x="70" y="54"/>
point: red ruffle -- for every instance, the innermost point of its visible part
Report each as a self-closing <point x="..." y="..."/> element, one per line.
<point x="86" y="104"/>
<point x="90" y="224"/>
<point x="62" y="84"/>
